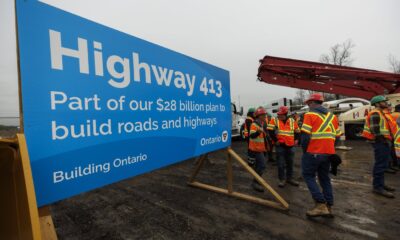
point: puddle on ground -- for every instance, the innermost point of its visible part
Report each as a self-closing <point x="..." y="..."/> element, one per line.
<point x="359" y="230"/>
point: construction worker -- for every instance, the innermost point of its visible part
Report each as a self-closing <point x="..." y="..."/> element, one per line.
<point x="380" y="129"/>
<point x="319" y="131"/>
<point x="247" y="124"/>
<point x="257" y="144"/>
<point x="396" y="114"/>
<point x="392" y="158"/>
<point x="284" y="131"/>
<point x="395" y="164"/>
<point x="270" y="150"/>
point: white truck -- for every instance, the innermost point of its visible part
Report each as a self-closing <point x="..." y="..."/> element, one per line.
<point x="237" y="121"/>
<point x="352" y="121"/>
<point x="273" y="106"/>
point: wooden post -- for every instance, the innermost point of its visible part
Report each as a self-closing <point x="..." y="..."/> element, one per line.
<point x="46" y="224"/>
<point x="229" y="173"/>
<point x="258" y="178"/>
<point x="281" y="204"/>
<point x="200" y="163"/>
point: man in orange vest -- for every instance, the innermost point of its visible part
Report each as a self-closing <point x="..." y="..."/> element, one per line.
<point x="247" y="124"/>
<point x="270" y="150"/>
<point x="380" y="129"/>
<point x="257" y="144"/>
<point x="319" y="132"/>
<point x="284" y="131"/>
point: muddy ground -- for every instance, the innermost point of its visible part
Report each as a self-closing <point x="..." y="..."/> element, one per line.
<point x="159" y="205"/>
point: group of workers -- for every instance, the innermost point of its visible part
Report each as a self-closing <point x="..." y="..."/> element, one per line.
<point x="317" y="135"/>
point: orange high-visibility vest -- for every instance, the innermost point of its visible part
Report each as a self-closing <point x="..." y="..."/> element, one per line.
<point x="387" y="126"/>
<point x="395" y="129"/>
<point x="257" y="144"/>
<point x="323" y="128"/>
<point x="284" y="131"/>
<point x="246" y="131"/>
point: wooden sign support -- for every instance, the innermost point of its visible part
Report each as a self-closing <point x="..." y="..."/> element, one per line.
<point x="280" y="204"/>
<point x="20" y="218"/>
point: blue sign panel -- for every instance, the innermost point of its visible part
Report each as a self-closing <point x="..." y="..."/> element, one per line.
<point x="100" y="105"/>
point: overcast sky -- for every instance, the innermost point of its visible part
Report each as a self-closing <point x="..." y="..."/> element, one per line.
<point x="231" y="34"/>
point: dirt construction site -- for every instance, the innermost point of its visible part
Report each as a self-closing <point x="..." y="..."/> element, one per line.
<point x="160" y="205"/>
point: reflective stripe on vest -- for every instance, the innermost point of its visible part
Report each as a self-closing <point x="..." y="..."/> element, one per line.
<point x="257" y="144"/>
<point x="326" y="124"/>
<point x="383" y="126"/>
<point x="280" y="131"/>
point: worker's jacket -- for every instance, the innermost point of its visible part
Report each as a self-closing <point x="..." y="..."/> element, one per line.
<point x="267" y="121"/>
<point x="247" y="124"/>
<point x="387" y="126"/>
<point x="323" y="129"/>
<point x="284" y="130"/>
<point x="257" y="143"/>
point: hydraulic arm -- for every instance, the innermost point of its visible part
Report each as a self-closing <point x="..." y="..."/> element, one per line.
<point x="347" y="81"/>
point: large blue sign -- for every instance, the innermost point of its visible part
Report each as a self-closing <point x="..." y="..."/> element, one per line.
<point x="100" y="105"/>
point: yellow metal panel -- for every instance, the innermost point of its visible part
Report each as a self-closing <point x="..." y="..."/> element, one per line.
<point x="27" y="191"/>
<point x="8" y="204"/>
<point x="19" y="218"/>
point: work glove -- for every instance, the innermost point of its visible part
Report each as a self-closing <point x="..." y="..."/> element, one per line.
<point x="335" y="160"/>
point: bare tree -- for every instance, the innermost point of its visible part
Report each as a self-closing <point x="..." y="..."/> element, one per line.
<point x="300" y="97"/>
<point x="394" y="64"/>
<point x="339" y="54"/>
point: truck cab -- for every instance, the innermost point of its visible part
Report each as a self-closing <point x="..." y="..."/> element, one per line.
<point x="237" y="120"/>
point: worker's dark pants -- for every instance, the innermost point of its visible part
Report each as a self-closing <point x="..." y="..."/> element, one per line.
<point x="260" y="163"/>
<point x="318" y="164"/>
<point x="382" y="157"/>
<point x="285" y="157"/>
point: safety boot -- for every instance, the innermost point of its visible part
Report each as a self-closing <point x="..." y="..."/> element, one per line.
<point x="256" y="186"/>
<point x="384" y="193"/>
<point x="320" y="210"/>
<point x="330" y="210"/>
<point x="293" y="182"/>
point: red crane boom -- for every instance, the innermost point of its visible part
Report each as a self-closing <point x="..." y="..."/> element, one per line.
<point x="347" y="81"/>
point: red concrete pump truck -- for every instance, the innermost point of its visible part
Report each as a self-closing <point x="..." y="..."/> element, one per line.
<point x="328" y="78"/>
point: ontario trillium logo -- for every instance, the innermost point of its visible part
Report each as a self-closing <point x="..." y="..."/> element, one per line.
<point x="225" y="136"/>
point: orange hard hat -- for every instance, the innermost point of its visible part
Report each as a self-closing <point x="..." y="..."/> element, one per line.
<point x="315" y="97"/>
<point x="260" y="111"/>
<point x="283" y="110"/>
